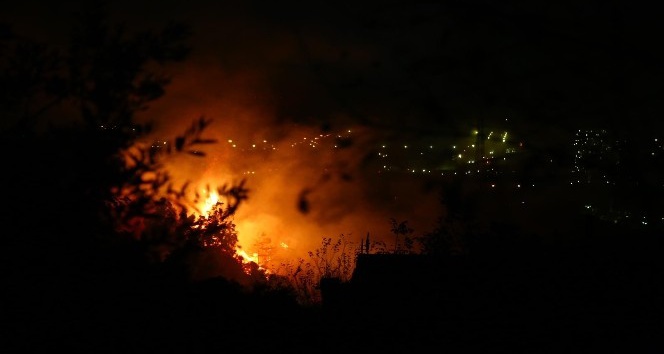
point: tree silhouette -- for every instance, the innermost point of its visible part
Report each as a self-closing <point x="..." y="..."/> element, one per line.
<point x="108" y="68"/>
<point x="97" y="229"/>
<point x="401" y="228"/>
<point x="93" y="212"/>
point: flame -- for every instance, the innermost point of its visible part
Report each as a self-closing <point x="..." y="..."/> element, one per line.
<point x="271" y="227"/>
<point x="209" y="203"/>
<point x="205" y="208"/>
<point x="246" y="258"/>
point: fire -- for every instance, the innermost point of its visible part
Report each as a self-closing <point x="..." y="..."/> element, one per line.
<point x="209" y="203"/>
<point x="246" y="258"/>
<point x="270" y="225"/>
<point x="205" y="208"/>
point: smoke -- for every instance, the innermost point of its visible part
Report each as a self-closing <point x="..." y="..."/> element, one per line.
<point x="277" y="122"/>
<point x="306" y="182"/>
<point x="268" y="82"/>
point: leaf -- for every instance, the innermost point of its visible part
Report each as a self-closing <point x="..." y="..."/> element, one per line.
<point x="303" y="202"/>
<point x="204" y="141"/>
<point x="183" y="190"/>
<point x="202" y="123"/>
<point x="179" y="143"/>
<point x="134" y="159"/>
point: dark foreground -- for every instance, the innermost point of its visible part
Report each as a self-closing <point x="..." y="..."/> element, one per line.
<point x="601" y="296"/>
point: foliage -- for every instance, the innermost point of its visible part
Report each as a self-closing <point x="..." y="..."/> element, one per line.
<point x="91" y="168"/>
<point x="447" y="238"/>
<point x="458" y="223"/>
<point x="333" y="259"/>
<point x="145" y="185"/>
<point x="31" y="80"/>
<point x="101" y="80"/>
<point x="195" y="248"/>
<point x="109" y="68"/>
<point x="303" y="279"/>
<point x="379" y="247"/>
<point x="402" y="229"/>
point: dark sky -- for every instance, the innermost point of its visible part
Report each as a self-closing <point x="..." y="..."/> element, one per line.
<point x="413" y="67"/>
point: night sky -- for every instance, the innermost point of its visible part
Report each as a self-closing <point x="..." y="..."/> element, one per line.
<point x="416" y="68"/>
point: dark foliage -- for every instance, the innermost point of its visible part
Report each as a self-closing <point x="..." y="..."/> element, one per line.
<point x="101" y="251"/>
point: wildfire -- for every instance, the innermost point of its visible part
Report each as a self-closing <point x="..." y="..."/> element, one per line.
<point x="209" y="203"/>
<point x="206" y="207"/>
<point x="246" y="258"/>
<point x="270" y="229"/>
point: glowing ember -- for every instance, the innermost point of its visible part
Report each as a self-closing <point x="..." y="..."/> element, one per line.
<point x="284" y="245"/>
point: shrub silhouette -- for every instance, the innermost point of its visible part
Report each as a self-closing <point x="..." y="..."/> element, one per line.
<point x="96" y="229"/>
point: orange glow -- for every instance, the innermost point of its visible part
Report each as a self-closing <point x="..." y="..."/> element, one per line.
<point x="246" y="257"/>
<point x="271" y="229"/>
<point x="205" y="207"/>
<point x="278" y="164"/>
<point x="209" y="202"/>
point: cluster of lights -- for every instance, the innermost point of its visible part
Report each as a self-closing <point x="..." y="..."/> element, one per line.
<point x="315" y="141"/>
<point x="473" y="147"/>
<point x="253" y="147"/>
<point x="468" y="153"/>
<point x="591" y="146"/>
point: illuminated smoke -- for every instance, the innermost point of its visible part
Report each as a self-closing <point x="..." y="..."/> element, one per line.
<point x="302" y="187"/>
